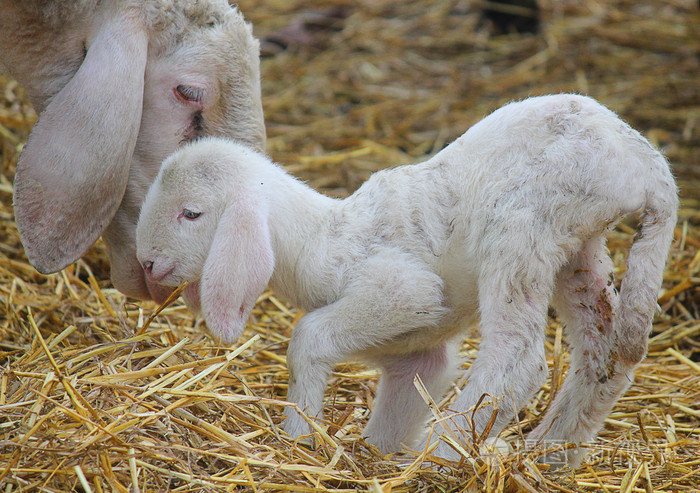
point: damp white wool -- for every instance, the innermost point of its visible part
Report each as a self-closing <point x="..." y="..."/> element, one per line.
<point x="504" y="222"/>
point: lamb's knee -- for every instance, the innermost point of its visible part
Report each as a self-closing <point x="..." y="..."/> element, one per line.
<point x="632" y="334"/>
<point x="305" y="362"/>
<point x="632" y="349"/>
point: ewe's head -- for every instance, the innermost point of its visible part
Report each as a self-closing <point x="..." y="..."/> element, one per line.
<point x="202" y="79"/>
<point x="133" y="82"/>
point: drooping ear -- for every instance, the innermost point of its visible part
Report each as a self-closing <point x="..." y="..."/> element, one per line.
<point x="238" y="268"/>
<point x="73" y="171"/>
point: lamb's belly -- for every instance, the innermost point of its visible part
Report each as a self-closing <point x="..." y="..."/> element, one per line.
<point x="411" y="342"/>
<point x="461" y="296"/>
<point x="461" y="321"/>
<point x="461" y="291"/>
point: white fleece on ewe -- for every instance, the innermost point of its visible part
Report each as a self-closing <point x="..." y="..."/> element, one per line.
<point x="118" y="86"/>
<point x="507" y="219"/>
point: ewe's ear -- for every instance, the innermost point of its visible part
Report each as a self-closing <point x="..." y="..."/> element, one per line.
<point x="238" y="268"/>
<point x="72" y="173"/>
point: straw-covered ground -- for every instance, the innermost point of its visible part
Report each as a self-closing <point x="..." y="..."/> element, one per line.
<point x="93" y="397"/>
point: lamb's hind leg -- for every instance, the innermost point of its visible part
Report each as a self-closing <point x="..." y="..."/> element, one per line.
<point x="586" y="301"/>
<point x="510" y="366"/>
<point x="399" y="412"/>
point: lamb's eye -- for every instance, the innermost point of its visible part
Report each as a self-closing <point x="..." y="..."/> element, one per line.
<point x="188" y="214"/>
<point x="189" y="93"/>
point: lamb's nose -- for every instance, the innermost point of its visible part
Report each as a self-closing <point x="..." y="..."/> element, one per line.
<point x="148" y="267"/>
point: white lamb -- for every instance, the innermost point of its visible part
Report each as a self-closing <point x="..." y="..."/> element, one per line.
<point x="509" y="218"/>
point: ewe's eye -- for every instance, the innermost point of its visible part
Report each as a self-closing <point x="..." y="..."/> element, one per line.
<point x="189" y="93"/>
<point x="188" y="214"/>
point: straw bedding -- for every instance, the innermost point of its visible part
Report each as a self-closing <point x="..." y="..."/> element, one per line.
<point x="101" y="393"/>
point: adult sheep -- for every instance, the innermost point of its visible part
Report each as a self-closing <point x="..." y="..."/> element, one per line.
<point x="118" y="86"/>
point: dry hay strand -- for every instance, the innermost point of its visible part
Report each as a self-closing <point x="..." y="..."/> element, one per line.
<point x="93" y="398"/>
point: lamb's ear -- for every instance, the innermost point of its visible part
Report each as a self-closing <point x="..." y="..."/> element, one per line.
<point x="238" y="268"/>
<point x="73" y="171"/>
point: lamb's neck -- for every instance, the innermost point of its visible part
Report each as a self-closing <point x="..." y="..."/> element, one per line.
<point x="297" y="217"/>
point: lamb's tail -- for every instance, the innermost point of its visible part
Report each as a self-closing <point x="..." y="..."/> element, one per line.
<point x="645" y="265"/>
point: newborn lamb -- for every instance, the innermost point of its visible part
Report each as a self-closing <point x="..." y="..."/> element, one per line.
<point x="505" y="221"/>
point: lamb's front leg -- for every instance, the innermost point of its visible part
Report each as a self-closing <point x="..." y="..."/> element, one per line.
<point x="310" y="359"/>
<point x="392" y="294"/>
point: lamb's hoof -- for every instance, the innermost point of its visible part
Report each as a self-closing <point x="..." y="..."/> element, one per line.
<point x="296" y="427"/>
<point x="562" y="458"/>
<point x="492" y="449"/>
<point x="556" y="453"/>
<point x="494" y="446"/>
<point x="306" y="441"/>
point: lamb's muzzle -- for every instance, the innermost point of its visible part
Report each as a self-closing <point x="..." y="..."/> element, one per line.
<point x="506" y="220"/>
